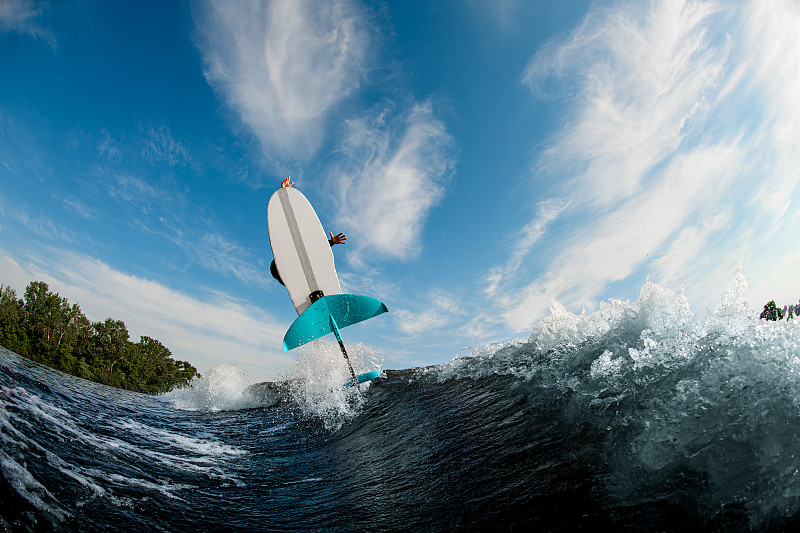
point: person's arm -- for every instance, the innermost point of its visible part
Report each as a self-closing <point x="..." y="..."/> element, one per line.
<point x="340" y="238"/>
<point x="287" y="182"/>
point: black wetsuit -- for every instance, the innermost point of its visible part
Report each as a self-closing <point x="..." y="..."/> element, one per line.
<point x="274" y="269"/>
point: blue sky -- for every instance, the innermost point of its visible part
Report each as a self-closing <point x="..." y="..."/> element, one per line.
<point x="483" y="158"/>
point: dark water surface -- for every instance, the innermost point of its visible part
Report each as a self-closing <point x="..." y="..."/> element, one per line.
<point x="639" y="417"/>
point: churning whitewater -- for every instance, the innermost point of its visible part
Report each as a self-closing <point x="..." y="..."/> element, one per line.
<point x="639" y="416"/>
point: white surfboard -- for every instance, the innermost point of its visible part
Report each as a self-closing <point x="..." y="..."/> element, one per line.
<point x="300" y="248"/>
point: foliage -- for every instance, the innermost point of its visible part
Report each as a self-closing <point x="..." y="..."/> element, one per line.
<point x="44" y="327"/>
<point x="771" y="311"/>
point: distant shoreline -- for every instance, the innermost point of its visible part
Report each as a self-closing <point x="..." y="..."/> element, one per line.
<point x="45" y="328"/>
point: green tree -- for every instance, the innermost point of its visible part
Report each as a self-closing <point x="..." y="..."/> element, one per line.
<point x="46" y="328"/>
<point x="12" y="332"/>
<point x="771" y="311"/>
<point x="108" y="347"/>
<point x="53" y="326"/>
<point x="154" y="364"/>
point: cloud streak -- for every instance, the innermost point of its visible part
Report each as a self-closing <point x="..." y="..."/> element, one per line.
<point x="21" y="16"/>
<point x="219" y="254"/>
<point x="442" y="310"/>
<point x="647" y="175"/>
<point x="611" y="247"/>
<point x="547" y="211"/>
<point x="202" y="331"/>
<point x="393" y="173"/>
<point x="283" y="64"/>
<point x="39" y="225"/>
<point x="634" y="78"/>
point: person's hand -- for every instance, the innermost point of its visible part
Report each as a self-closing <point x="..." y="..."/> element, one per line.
<point x="287" y="182"/>
<point x="341" y="238"/>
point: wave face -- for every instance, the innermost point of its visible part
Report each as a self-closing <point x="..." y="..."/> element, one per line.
<point x="640" y="416"/>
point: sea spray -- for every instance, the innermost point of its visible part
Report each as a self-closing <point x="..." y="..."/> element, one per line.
<point x="706" y="409"/>
<point x="221" y="388"/>
<point x="315" y="387"/>
<point x="69" y="445"/>
<point x="319" y="389"/>
<point x="637" y="416"/>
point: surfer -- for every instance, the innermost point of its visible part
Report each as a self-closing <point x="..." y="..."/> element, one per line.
<point x="339" y="238"/>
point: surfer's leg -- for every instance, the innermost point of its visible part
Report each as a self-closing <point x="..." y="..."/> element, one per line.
<point x="274" y="271"/>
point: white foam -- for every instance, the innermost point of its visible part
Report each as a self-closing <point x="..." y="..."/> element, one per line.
<point x="204" y="448"/>
<point x="25" y="416"/>
<point x="322" y="373"/>
<point x="28" y="487"/>
<point x="223" y="388"/>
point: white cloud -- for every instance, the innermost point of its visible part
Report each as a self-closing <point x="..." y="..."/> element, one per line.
<point x="768" y="76"/>
<point x="283" y="64"/>
<point x="134" y="190"/>
<point x="159" y="145"/>
<point x="80" y="208"/>
<point x="39" y="224"/>
<point x="219" y="254"/>
<point x="441" y="310"/>
<point x="546" y="213"/>
<point x="20" y="16"/>
<point x="691" y="243"/>
<point x="635" y="77"/>
<point x="678" y="136"/>
<point x="417" y="323"/>
<point x="158" y="208"/>
<point x="391" y="178"/>
<point x="205" y="332"/>
<point x="611" y="247"/>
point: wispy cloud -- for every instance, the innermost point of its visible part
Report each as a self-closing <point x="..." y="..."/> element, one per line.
<point x="158" y="145"/>
<point x="394" y="172"/>
<point x="130" y="178"/>
<point x="634" y="77"/>
<point x="80" y="208"/>
<point x="107" y="145"/>
<point x="529" y="235"/>
<point x="134" y="190"/>
<point x="219" y="254"/>
<point x="22" y="16"/>
<point x="502" y="13"/>
<point x="768" y="78"/>
<point x="202" y="331"/>
<point x="675" y="261"/>
<point x="653" y="178"/>
<point x="153" y="144"/>
<point x="37" y="224"/>
<point x="162" y="213"/>
<point x="442" y="310"/>
<point x="20" y="151"/>
<point x="283" y="64"/>
<point x="611" y="247"/>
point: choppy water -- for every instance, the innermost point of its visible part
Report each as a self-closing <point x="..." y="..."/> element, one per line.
<point x="639" y="416"/>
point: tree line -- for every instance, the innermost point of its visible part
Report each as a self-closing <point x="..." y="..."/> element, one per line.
<point x="773" y="312"/>
<point x="44" y="327"/>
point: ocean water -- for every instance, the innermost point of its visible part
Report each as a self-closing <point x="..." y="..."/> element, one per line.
<point x="637" y="417"/>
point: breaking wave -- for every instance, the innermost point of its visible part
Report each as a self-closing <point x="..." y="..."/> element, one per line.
<point x="640" y="415"/>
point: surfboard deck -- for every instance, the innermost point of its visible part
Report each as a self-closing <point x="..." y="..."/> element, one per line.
<point x="300" y="247"/>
